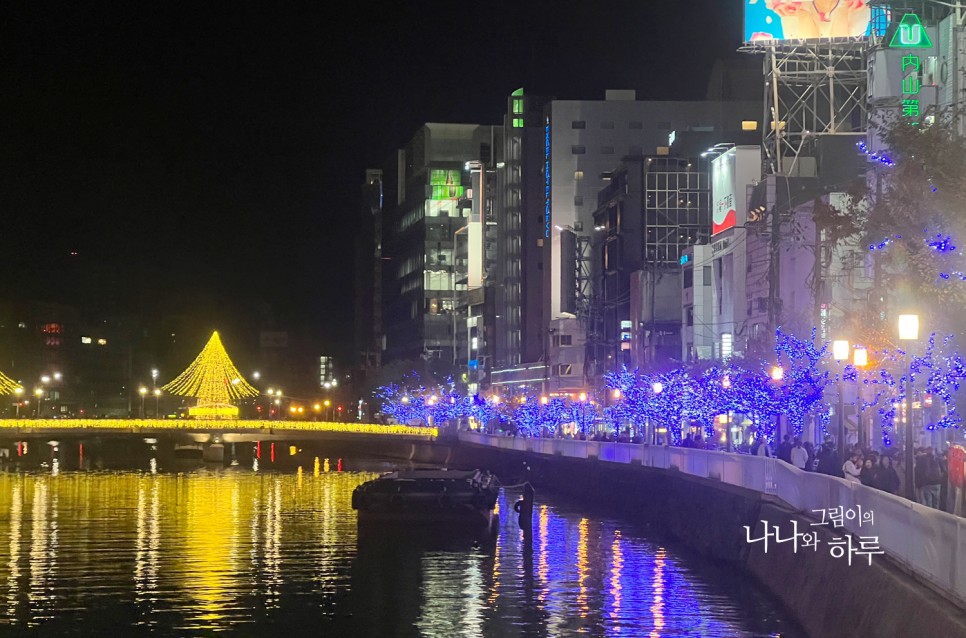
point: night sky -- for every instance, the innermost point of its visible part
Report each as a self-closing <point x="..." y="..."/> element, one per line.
<point x="215" y="151"/>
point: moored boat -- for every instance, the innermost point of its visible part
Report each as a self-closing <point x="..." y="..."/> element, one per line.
<point x="428" y="496"/>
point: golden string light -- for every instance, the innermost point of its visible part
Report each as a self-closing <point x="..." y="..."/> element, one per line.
<point x="238" y="426"/>
<point x="8" y="385"/>
<point x="214" y="380"/>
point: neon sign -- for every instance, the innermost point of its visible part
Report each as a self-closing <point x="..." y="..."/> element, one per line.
<point x="911" y="35"/>
<point x="546" y="178"/>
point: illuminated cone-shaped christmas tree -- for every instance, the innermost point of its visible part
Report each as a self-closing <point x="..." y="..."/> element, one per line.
<point x="215" y="381"/>
<point x="7" y="385"/>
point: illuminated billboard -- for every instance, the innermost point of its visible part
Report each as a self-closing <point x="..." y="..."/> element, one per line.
<point x="731" y="173"/>
<point x="445" y="184"/>
<point x="724" y="212"/>
<point x="807" y="19"/>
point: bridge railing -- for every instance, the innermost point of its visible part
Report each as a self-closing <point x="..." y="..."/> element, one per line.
<point x="930" y="543"/>
<point x="220" y="425"/>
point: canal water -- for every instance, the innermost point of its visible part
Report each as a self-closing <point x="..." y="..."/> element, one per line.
<point x="237" y="551"/>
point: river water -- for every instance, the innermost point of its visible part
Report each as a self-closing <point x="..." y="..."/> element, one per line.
<point x="242" y="552"/>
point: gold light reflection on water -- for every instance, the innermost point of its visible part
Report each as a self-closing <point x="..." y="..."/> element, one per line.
<point x="543" y="566"/>
<point x="582" y="567"/>
<point x="495" y="587"/>
<point x="43" y="546"/>
<point x="148" y="540"/>
<point x="13" y="563"/>
<point x="208" y="576"/>
<point x="657" y="586"/>
<point x="196" y="544"/>
<point x="616" y="567"/>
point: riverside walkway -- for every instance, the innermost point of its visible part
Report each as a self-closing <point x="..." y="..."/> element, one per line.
<point x="929" y="543"/>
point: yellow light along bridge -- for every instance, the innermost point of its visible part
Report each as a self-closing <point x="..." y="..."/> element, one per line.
<point x="203" y="425"/>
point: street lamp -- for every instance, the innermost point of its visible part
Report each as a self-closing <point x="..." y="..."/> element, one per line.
<point x="39" y="392"/>
<point x="154" y="376"/>
<point x="729" y="436"/>
<point x="142" y="391"/>
<point x="157" y="401"/>
<point x="17" y="392"/>
<point x="860" y="359"/>
<point x="840" y="352"/>
<point x="909" y="331"/>
<point x="778" y="375"/>
<point x="328" y="403"/>
<point x="657" y="387"/>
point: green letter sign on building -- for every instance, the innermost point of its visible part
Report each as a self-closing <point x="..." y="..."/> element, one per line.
<point x="911" y="35"/>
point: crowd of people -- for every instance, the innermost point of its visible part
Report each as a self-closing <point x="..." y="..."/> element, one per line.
<point x="883" y="470"/>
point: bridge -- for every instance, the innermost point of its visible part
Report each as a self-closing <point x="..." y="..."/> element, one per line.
<point x="227" y="429"/>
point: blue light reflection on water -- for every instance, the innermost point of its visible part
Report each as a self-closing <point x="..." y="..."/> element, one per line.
<point x="261" y="553"/>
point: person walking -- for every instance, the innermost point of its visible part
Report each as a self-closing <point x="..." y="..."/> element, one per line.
<point x="868" y="473"/>
<point x="888" y="479"/>
<point x="799" y="455"/>
<point x="810" y="450"/>
<point x="852" y="468"/>
<point x="928" y="478"/>
<point x="784" y="451"/>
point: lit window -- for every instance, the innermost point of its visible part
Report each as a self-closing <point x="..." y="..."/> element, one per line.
<point x="518" y="122"/>
<point x="749" y="125"/>
<point x="102" y="342"/>
<point x="578" y="175"/>
<point x="517" y="107"/>
<point x="86" y="340"/>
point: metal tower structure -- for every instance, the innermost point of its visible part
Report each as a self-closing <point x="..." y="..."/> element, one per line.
<point x="812" y="88"/>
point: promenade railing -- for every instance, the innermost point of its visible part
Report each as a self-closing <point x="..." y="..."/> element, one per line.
<point x="930" y="543"/>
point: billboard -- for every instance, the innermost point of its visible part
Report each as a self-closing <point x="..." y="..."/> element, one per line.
<point x="731" y="173"/>
<point x="807" y="19"/>
<point x="724" y="212"/>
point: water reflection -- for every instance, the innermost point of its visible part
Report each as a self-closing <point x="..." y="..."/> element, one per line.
<point x="265" y="553"/>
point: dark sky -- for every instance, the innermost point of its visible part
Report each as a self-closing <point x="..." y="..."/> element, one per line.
<point x="216" y="150"/>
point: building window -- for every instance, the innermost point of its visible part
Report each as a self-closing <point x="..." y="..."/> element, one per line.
<point x="689" y="314"/>
<point x="578" y="200"/>
<point x="578" y="149"/>
<point x="578" y="175"/>
<point x="707" y="275"/>
<point x="563" y="340"/>
<point x="518" y="122"/>
<point x="517" y="106"/>
<point x="86" y="340"/>
<point x="578" y="124"/>
<point x="688" y="278"/>
<point x="565" y="370"/>
<point x="635" y="125"/>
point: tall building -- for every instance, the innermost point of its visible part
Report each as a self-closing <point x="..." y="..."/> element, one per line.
<point x="424" y="217"/>
<point x="520" y="198"/>
<point x="368" y="275"/>
<point x="584" y="144"/>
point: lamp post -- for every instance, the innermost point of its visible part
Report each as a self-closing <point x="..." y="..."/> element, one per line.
<point x="840" y="352"/>
<point x="328" y="403"/>
<point x="778" y="375"/>
<point x="39" y="392"/>
<point x="17" y="392"/>
<point x="860" y="359"/>
<point x="909" y="331"/>
<point x="726" y="384"/>
<point x="658" y="387"/>
<point x="143" y="392"/>
<point x="157" y="402"/>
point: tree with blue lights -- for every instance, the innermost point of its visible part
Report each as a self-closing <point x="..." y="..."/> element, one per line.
<point x="802" y="390"/>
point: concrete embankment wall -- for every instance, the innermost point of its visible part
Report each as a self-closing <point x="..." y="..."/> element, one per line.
<point x="826" y="595"/>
